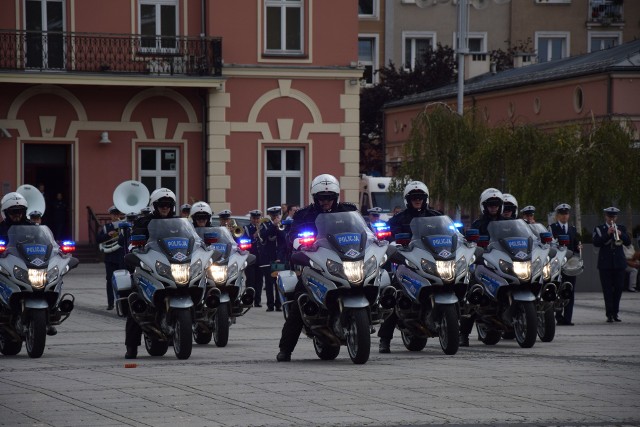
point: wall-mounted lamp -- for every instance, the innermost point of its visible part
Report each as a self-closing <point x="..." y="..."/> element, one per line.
<point x="104" y="138"/>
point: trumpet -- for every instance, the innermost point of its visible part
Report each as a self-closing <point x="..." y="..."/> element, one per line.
<point x="235" y="229"/>
<point x="616" y="235"/>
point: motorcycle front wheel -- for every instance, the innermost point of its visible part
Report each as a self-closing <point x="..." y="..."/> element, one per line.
<point x="154" y="346"/>
<point x="412" y="342"/>
<point x="9" y="347"/>
<point x="324" y="350"/>
<point x="182" y="342"/>
<point x="358" y="338"/>
<point x="546" y="325"/>
<point x="525" y="324"/>
<point x="486" y="335"/>
<point x="36" y="333"/>
<point x="221" y="334"/>
<point x="449" y="332"/>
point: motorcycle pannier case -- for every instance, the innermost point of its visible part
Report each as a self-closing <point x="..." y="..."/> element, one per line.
<point x="121" y="290"/>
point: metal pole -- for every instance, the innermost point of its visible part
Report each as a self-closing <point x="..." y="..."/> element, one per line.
<point x="463" y="22"/>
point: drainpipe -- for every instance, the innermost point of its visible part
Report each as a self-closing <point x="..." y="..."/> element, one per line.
<point x="204" y="102"/>
<point x="609" y="95"/>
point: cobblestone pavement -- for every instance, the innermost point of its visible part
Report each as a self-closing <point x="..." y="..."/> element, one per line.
<point x="589" y="375"/>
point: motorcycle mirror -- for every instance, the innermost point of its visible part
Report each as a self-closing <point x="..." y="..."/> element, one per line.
<point x="300" y="258"/>
<point x="138" y="240"/>
<point x="472" y="234"/>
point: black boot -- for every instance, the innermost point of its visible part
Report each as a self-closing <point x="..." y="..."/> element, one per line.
<point x="51" y="330"/>
<point x="283" y="356"/>
<point x="464" y="340"/>
<point x="384" y="346"/>
<point x="132" y="352"/>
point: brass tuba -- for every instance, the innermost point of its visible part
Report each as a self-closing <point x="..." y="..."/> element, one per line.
<point x="235" y="229"/>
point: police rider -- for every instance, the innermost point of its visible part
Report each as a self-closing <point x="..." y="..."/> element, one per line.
<point x="200" y="214"/>
<point x="163" y="201"/>
<point x="509" y="207"/>
<point x="325" y="191"/>
<point x="416" y="201"/>
<point x="14" y="212"/>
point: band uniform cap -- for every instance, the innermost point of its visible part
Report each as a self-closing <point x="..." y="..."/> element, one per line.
<point x="274" y="210"/>
<point x="185" y="207"/>
<point x="563" y="207"/>
<point x="145" y="210"/>
<point x="528" y="209"/>
<point x="375" y="211"/>
<point x="255" y="212"/>
<point x="114" y="210"/>
<point x="224" y="214"/>
<point x="35" y="214"/>
<point x="611" y="210"/>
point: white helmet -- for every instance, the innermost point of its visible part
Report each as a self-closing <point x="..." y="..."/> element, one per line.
<point x="162" y="193"/>
<point x="201" y="208"/>
<point x="325" y="183"/>
<point x="13" y="200"/>
<point x="491" y="193"/>
<point x="509" y="200"/>
<point x="415" y="187"/>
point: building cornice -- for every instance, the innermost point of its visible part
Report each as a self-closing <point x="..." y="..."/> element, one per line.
<point x="109" y="80"/>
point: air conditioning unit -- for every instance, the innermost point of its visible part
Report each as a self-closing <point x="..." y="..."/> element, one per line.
<point x="553" y="1"/>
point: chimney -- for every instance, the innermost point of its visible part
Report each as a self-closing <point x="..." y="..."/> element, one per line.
<point x="476" y="64"/>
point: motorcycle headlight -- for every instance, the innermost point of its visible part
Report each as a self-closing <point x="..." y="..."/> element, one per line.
<point x="217" y="273"/>
<point x="195" y="270"/>
<point x="429" y="267"/>
<point x="37" y="277"/>
<point x="520" y="269"/>
<point x="354" y="270"/>
<point x="370" y="266"/>
<point x="461" y="267"/>
<point x="546" y="271"/>
<point x="446" y="270"/>
<point x="180" y="273"/>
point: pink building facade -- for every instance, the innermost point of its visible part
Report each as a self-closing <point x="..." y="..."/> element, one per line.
<point x="238" y="103"/>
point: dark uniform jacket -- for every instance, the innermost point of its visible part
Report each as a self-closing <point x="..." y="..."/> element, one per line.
<point x="305" y="219"/>
<point x="400" y="223"/>
<point x="6" y="225"/>
<point x="273" y="244"/>
<point x="482" y="223"/>
<point x="610" y="256"/>
<point x="249" y="232"/>
<point x="574" y="236"/>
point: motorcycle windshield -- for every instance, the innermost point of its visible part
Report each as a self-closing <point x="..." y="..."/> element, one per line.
<point x="437" y="234"/>
<point x="173" y="237"/>
<point x="515" y="236"/>
<point x="219" y="239"/>
<point x="32" y="243"/>
<point x="344" y="232"/>
<point x="536" y="229"/>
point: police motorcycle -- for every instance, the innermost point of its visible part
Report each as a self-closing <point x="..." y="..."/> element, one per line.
<point x="347" y="291"/>
<point x="554" y="294"/>
<point x="227" y="295"/>
<point x="502" y="295"/>
<point x="432" y="271"/>
<point x="32" y="266"/>
<point x="169" y="281"/>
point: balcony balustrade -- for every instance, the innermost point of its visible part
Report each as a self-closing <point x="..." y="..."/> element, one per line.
<point x="110" y="53"/>
<point x="606" y="12"/>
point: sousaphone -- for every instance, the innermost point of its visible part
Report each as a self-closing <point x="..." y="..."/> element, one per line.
<point x="130" y="197"/>
<point x="34" y="198"/>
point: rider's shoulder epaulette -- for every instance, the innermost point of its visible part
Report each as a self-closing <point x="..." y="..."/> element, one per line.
<point x="349" y="206"/>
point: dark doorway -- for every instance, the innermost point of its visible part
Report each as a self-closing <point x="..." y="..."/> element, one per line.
<point x="49" y="165"/>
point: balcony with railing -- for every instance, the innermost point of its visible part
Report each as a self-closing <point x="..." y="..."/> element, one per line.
<point x="605" y="13"/>
<point x="110" y="53"/>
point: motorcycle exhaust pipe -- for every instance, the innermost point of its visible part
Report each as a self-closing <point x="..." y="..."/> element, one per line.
<point x="565" y="290"/>
<point x="388" y="298"/>
<point x="475" y="294"/>
<point x="212" y="299"/>
<point x="248" y="296"/>
<point x="66" y="305"/>
<point x="137" y="304"/>
<point x="404" y="303"/>
<point x="548" y="293"/>
<point x="309" y="308"/>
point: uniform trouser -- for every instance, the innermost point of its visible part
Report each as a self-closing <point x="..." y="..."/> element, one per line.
<point x="133" y="333"/>
<point x="388" y="326"/>
<point x="466" y="324"/>
<point x="111" y="267"/>
<point x="633" y="277"/>
<point x="612" y="282"/>
<point x="270" y="288"/>
<point x="254" y="279"/>
<point x="293" y="325"/>
<point x="567" y="312"/>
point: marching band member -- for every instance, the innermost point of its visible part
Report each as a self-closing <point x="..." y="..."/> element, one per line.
<point x="35" y="217"/>
<point x="253" y="271"/>
<point x="272" y="235"/>
<point x="225" y="218"/>
<point x="113" y="254"/>
<point x="185" y="210"/>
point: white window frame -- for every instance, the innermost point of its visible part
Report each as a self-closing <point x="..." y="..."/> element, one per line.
<point x="284" y="5"/>
<point x="413" y="36"/>
<point x="374" y="62"/>
<point x="158" y="32"/>
<point x="603" y="34"/>
<point x="284" y="173"/>
<point x="376" y="11"/>
<point x="475" y="36"/>
<point x="159" y="173"/>
<point x="565" y="35"/>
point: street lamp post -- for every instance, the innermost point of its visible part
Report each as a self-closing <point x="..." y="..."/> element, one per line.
<point x="463" y="49"/>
